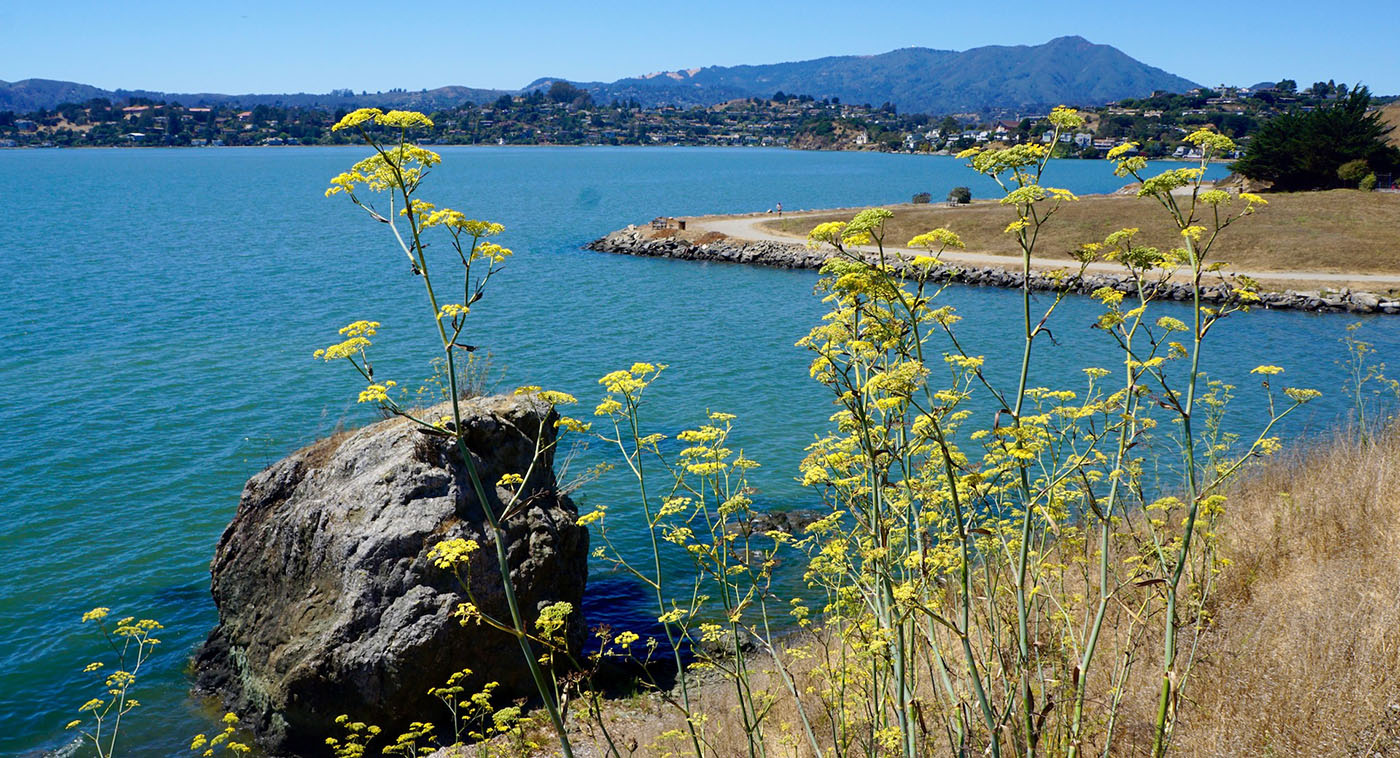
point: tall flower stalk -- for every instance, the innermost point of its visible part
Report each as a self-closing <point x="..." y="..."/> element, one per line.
<point x="396" y="169"/>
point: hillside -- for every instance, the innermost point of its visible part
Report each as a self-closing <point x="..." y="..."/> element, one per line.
<point x="1067" y="70"/>
<point x="1390" y="114"/>
<point x="1019" y="79"/>
<point x="31" y="94"/>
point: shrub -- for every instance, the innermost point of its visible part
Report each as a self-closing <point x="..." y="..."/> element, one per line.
<point x="922" y="198"/>
<point x="960" y="195"/>
<point x="1368" y="183"/>
<point x="1353" y="171"/>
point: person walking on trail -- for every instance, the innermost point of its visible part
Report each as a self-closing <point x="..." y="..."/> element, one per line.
<point x="780" y="210"/>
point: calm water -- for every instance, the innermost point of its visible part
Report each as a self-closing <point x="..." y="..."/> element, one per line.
<point x="160" y="308"/>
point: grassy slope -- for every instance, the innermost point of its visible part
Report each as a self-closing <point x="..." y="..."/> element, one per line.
<point x="1305" y="655"/>
<point x="1391" y="115"/>
<point x="1340" y="231"/>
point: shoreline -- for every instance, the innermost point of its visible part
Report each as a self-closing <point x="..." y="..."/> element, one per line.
<point x="937" y="154"/>
<point x="771" y="252"/>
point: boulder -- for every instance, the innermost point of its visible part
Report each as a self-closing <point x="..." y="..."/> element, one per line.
<point x="328" y="603"/>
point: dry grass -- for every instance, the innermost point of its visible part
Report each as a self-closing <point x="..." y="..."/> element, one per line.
<point x="1390" y="114"/>
<point x="1338" y="231"/>
<point x="1304" y="658"/>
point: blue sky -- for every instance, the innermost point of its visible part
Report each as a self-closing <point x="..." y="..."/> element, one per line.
<point x="260" y="46"/>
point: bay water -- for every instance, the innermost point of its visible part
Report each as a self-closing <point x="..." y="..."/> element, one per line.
<point x="159" y="309"/>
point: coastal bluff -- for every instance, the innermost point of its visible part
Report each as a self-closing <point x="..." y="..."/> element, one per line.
<point x="719" y="248"/>
<point x="328" y="603"/>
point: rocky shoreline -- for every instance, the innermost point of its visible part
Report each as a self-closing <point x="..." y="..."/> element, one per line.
<point x="791" y="255"/>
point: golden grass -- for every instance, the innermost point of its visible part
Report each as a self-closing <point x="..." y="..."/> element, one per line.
<point x="1337" y="231"/>
<point x="1304" y="657"/>
<point x="1390" y="114"/>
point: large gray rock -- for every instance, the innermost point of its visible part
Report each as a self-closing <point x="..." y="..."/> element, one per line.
<point x="328" y="603"/>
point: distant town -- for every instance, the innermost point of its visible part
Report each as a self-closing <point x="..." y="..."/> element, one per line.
<point x="565" y="115"/>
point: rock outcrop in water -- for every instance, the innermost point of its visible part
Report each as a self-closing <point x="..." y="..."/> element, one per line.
<point x="328" y="603"/>
<point x="792" y="255"/>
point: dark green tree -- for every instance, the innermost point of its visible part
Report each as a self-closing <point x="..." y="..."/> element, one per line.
<point x="1302" y="150"/>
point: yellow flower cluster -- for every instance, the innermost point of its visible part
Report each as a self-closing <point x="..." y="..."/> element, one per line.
<point x="398" y="167"/>
<point x="399" y="119"/>
<point x="866" y="226"/>
<point x="376" y="393"/>
<point x="939" y="238"/>
<point x="458" y="220"/>
<point x="631" y="380"/>
<point x="358" y="332"/>
<point x="1121" y="150"/>
<point x="491" y="251"/>
<point x="450" y="553"/>
<point x="1169" y="180"/>
<point x="224" y="738"/>
<point x="1066" y="118"/>
<point x="596" y="515"/>
<point x="1130" y="165"/>
<point x="344" y="349"/>
<point x="554" y="397"/>
<point x="828" y="232"/>
<point x="453" y="310"/>
<point x="1034" y="193"/>
<point x="1014" y="158"/>
<point x="1300" y="395"/>
<point x="670" y="617"/>
<point x="574" y="425"/>
<point x="553" y="617"/>
<point x="1211" y="141"/>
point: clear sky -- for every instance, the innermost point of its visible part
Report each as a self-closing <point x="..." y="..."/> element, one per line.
<point x="290" y="46"/>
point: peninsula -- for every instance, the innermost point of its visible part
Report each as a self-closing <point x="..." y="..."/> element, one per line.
<point x="1325" y="251"/>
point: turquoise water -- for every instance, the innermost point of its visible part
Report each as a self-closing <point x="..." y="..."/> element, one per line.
<point x="160" y="308"/>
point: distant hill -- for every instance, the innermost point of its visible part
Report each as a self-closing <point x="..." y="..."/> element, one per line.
<point x="32" y="94"/>
<point x="1067" y="70"/>
<point x="1390" y="114"/>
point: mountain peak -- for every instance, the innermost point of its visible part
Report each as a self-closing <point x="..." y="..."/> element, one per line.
<point x="1068" y="70"/>
<point x="1023" y="78"/>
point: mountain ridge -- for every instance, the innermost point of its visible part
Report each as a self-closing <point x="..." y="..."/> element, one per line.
<point x="1066" y="70"/>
